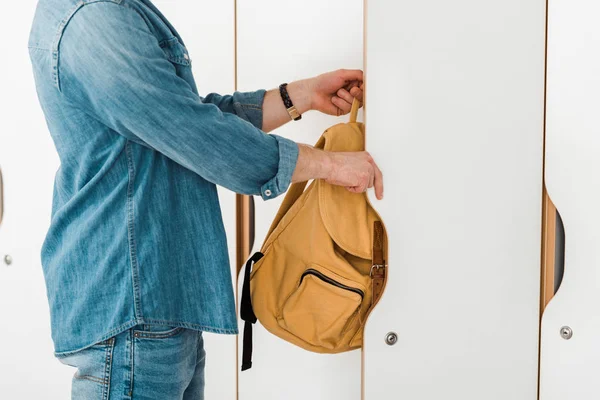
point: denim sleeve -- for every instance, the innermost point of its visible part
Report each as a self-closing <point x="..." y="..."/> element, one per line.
<point x="112" y="66"/>
<point x="245" y="105"/>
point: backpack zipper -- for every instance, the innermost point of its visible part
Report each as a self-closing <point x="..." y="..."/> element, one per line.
<point x="327" y="279"/>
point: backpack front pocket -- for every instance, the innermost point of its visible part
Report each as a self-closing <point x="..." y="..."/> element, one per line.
<point x="322" y="308"/>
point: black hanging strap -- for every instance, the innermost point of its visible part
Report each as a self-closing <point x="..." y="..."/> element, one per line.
<point x="247" y="313"/>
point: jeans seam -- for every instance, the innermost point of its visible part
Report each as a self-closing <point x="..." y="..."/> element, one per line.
<point x="131" y="364"/>
<point x="107" y="368"/>
<point x="131" y="234"/>
<point x="158" y="335"/>
<point x="95" y="379"/>
<point x="105" y="380"/>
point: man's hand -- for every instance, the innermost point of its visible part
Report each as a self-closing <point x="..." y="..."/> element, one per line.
<point x="356" y="171"/>
<point x="333" y="92"/>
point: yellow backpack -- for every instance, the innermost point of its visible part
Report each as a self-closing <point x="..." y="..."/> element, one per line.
<point x="321" y="269"/>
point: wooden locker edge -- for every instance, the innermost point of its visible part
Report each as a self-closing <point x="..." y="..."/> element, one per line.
<point x="242" y="202"/>
<point x="549" y="214"/>
<point x="548" y="248"/>
<point x="365" y="5"/>
<point x="242" y="212"/>
<point x="547" y="267"/>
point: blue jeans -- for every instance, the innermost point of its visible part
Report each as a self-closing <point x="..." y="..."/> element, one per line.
<point x="145" y="362"/>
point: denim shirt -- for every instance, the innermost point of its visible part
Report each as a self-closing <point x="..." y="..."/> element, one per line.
<point x="136" y="234"/>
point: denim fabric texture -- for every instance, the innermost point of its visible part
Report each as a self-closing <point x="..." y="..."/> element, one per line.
<point x="144" y="362"/>
<point x="136" y="234"/>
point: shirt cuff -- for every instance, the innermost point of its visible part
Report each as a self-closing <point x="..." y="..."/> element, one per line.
<point x="288" y="156"/>
<point x="248" y="105"/>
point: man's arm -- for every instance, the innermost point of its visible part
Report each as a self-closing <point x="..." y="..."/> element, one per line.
<point x="330" y="93"/>
<point x="246" y="105"/>
<point x="357" y="171"/>
<point x="112" y="67"/>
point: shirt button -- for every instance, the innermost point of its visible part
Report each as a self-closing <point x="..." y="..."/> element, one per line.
<point x="186" y="56"/>
<point x="268" y="193"/>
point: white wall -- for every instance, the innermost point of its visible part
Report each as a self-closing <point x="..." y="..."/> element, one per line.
<point x="282" y="41"/>
<point x="454" y="117"/>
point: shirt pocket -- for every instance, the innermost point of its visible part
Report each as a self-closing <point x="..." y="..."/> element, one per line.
<point x="176" y="52"/>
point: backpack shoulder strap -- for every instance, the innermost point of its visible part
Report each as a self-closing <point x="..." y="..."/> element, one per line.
<point x="292" y="195"/>
<point x="354" y="110"/>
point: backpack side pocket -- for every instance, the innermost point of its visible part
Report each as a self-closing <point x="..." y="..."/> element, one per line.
<point x="322" y="308"/>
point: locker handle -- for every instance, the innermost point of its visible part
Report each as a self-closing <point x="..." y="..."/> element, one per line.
<point x="553" y="250"/>
<point x="245" y="224"/>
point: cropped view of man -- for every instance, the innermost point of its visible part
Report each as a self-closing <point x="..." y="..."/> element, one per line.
<point x="135" y="259"/>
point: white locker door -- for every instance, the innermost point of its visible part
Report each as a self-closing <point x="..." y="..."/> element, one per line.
<point x="282" y="41"/>
<point x="570" y="367"/>
<point x="28" y="161"/>
<point x="207" y="28"/>
<point x="454" y="113"/>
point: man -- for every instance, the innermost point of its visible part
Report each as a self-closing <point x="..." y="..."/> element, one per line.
<point x="135" y="259"/>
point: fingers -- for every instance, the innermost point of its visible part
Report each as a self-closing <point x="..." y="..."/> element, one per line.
<point x="354" y="189"/>
<point x="378" y="181"/>
<point x="351" y="74"/>
<point x="343" y="99"/>
<point x="355" y="85"/>
<point x="357" y="171"/>
<point x="345" y="95"/>
<point x="366" y="178"/>
<point x="357" y="92"/>
<point x="371" y="180"/>
<point x="355" y="89"/>
<point x="374" y="178"/>
<point x="341" y="104"/>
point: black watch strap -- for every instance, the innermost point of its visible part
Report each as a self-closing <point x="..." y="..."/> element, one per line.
<point x="291" y="109"/>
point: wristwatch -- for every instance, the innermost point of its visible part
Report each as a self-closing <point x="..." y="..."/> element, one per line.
<point x="291" y="109"/>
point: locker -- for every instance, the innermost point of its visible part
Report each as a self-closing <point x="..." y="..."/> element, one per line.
<point x="454" y="113"/>
<point x="570" y="356"/>
<point x="282" y="41"/>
